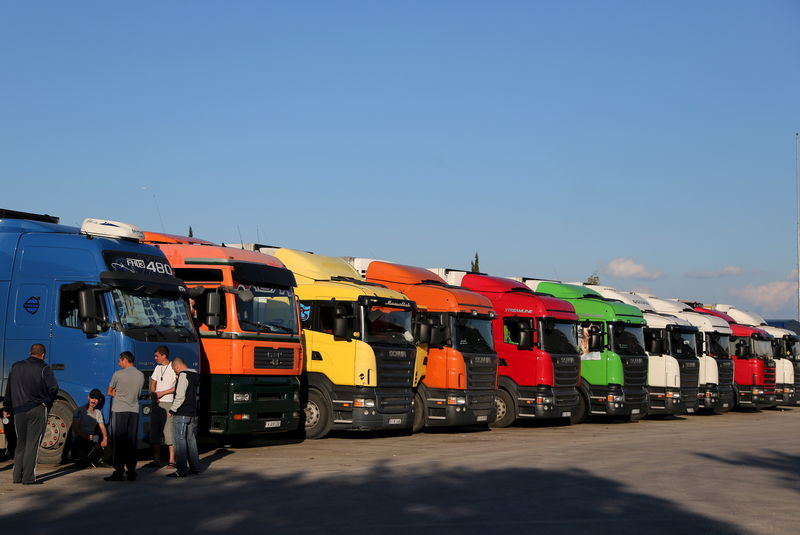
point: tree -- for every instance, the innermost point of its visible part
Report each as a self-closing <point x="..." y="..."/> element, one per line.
<point x="475" y="265"/>
<point x="191" y="234"/>
<point x="594" y="278"/>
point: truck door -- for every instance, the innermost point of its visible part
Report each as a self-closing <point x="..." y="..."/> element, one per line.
<point x="333" y="357"/>
<point x="80" y="361"/>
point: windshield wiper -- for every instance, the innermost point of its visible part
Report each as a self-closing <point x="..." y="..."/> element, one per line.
<point x="271" y="327"/>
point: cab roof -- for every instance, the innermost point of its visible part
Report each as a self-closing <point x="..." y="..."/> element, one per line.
<point x="182" y="254"/>
<point x="591" y="305"/>
<point x="159" y="237"/>
<point x="512" y="296"/>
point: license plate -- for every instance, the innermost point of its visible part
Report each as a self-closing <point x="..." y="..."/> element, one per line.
<point x="724" y="404"/>
<point x="566" y="414"/>
<point x="483" y="418"/>
<point x="395" y="421"/>
<point x="689" y="410"/>
<point x="635" y="411"/>
<point x="272" y="423"/>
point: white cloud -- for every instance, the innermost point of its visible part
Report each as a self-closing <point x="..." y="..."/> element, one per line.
<point x="771" y="296"/>
<point x="727" y="271"/>
<point x="626" y="268"/>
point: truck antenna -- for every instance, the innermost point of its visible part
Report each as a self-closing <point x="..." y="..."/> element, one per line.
<point x="240" y="235"/>
<point x="158" y="210"/>
<point x="258" y="235"/>
<point x="797" y="201"/>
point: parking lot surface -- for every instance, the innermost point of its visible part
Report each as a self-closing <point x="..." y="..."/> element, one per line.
<point x="733" y="473"/>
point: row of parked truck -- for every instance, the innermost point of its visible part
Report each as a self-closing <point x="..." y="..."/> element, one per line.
<point x="287" y="339"/>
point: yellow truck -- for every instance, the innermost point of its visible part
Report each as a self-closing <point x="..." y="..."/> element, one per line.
<point x="361" y="358"/>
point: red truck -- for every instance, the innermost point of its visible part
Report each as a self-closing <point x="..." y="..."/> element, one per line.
<point x="753" y="367"/>
<point x="536" y="343"/>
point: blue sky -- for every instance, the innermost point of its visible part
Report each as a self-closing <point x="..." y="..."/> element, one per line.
<point x="643" y="140"/>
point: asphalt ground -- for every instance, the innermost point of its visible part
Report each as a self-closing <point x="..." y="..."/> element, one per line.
<point x="732" y="473"/>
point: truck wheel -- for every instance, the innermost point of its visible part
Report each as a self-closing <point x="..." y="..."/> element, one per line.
<point x="506" y="413"/>
<point x="419" y="414"/>
<point x="56" y="438"/>
<point x="318" y="415"/>
<point x="578" y="411"/>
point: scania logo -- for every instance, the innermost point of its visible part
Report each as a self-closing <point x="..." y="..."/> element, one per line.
<point x="397" y="354"/>
<point x="566" y="360"/>
<point x="481" y="360"/>
<point x="691" y="364"/>
<point x="636" y="361"/>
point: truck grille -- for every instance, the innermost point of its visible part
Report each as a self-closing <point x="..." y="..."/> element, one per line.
<point x="481" y="371"/>
<point x="273" y="358"/>
<point x="796" y="373"/>
<point x="395" y="367"/>
<point x="480" y="400"/>
<point x="725" y="370"/>
<point x="690" y="373"/>
<point x="634" y="370"/>
<point x="394" y="400"/>
<point x="769" y="376"/>
<point x="566" y="397"/>
<point x="566" y="371"/>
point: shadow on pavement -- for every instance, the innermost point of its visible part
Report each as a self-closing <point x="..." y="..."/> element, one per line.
<point x="385" y="499"/>
<point x="786" y="465"/>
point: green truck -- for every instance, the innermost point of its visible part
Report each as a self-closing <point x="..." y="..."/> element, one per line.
<point x="613" y="360"/>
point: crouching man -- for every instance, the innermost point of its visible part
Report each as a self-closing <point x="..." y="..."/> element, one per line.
<point x="89" y="432"/>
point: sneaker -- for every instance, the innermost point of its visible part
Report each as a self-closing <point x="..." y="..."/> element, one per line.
<point x="175" y="474"/>
<point x="114" y="477"/>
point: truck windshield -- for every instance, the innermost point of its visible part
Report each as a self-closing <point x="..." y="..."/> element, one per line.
<point x="740" y="347"/>
<point x="387" y="325"/>
<point x="272" y="310"/>
<point x="562" y="338"/>
<point x="472" y="335"/>
<point x="162" y="316"/>
<point x="682" y="345"/>
<point x="718" y="344"/>
<point x="762" y="348"/>
<point x="794" y="349"/>
<point x="627" y="339"/>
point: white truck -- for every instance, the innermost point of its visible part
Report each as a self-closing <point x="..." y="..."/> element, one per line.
<point x="673" y="366"/>
<point x="784" y="342"/>
<point x="715" y="380"/>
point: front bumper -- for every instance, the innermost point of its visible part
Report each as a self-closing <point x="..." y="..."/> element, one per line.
<point x="785" y="395"/>
<point x="271" y="404"/>
<point x="665" y="401"/>
<point x="372" y="409"/>
<point x="444" y="407"/>
<point x="754" y="398"/>
<point x="544" y="402"/>
<point x="616" y="402"/>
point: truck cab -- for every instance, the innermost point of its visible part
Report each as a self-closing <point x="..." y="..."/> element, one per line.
<point x="536" y="342"/>
<point x="665" y="372"/>
<point x="715" y="380"/>
<point x="246" y="313"/>
<point x="361" y="354"/>
<point x="754" y="368"/>
<point x="784" y="368"/>
<point x="611" y="341"/>
<point x="460" y="377"/>
<point x="87" y="294"/>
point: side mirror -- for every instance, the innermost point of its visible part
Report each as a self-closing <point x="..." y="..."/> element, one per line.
<point x="341" y="327"/>
<point x="424" y="333"/>
<point x="595" y="342"/>
<point x="525" y="340"/>
<point x="213" y="309"/>
<point x="87" y="310"/>
<point x="437" y="336"/>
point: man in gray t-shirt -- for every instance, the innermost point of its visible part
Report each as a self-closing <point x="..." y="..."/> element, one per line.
<point x="125" y="387"/>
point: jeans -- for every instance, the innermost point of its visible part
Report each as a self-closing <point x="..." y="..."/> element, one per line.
<point x="184" y="434"/>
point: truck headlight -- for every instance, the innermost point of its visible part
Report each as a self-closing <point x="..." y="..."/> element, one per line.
<point x="456" y="400"/>
<point x="363" y="402"/>
<point x="241" y="397"/>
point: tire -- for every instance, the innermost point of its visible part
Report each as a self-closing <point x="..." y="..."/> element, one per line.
<point x="580" y="411"/>
<point x="506" y="410"/>
<point x="420" y="414"/>
<point x="318" y="415"/>
<point x="57" y="435"/>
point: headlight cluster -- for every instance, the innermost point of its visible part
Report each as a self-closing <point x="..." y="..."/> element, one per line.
<point x="456" y="400"/>
<point x="363" y="402"/>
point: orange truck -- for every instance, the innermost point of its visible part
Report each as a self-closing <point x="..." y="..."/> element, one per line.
<point x="249" y="326"/>
<point x="460" y="377"/>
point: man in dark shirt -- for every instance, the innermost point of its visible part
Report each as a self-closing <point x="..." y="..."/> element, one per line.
<point x="89" y="435"/>
<point x="184" y="420"/>
<point x="32" y="390"/>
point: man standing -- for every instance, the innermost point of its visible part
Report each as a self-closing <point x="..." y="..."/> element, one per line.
<point x="184" y="420"/>
<point x="31" y="392"/>
<point x="162" y="388"/>
<point x="125" y="387"/>
<point x="89" y="435"/>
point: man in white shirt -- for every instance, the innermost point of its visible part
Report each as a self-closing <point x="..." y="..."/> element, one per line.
<point x="162" y="393"/>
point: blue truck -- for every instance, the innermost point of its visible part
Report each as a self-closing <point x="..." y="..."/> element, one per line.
<point x="87" y="294"/>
